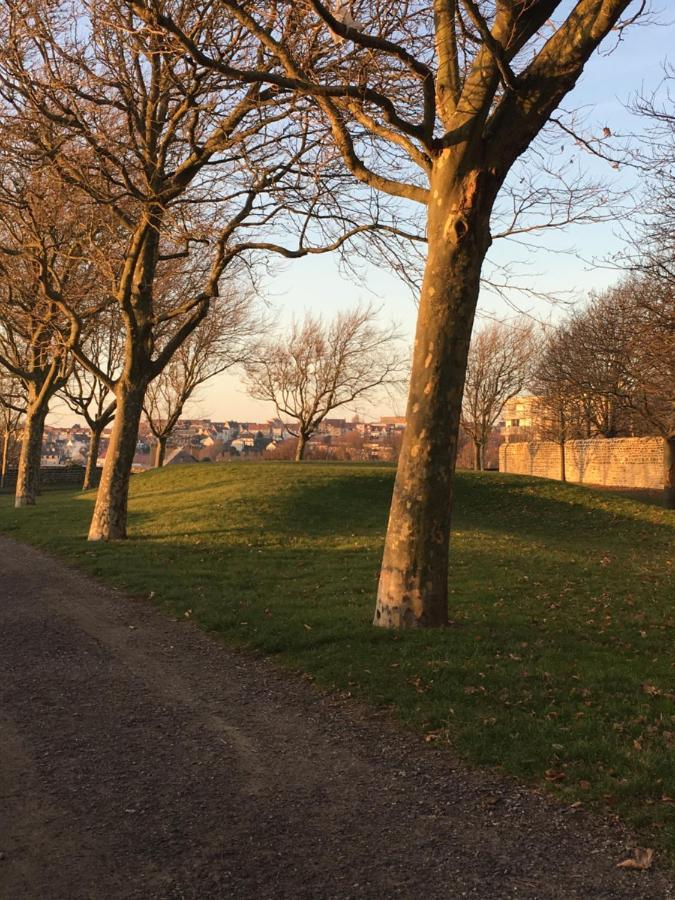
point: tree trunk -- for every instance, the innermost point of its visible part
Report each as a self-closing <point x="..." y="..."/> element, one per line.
<point x="413" y="587"/>
<point x="160" y="451"/>
<point x="563" y="469"/>
<point x="300" y="449"/>
<point x="109" y="521"/>
<point x="92" y="456"/>
<point x="477" y="456"/>
<point x="5" y="459"/>
<point x="669" y="465"/>
<point x="28" y="476"/>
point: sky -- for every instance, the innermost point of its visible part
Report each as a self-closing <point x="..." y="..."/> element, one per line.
<point x="315" y="283"/>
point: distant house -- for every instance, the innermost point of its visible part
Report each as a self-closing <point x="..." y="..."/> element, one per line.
<point x="396" y="423"/>
<point x="51" y="455"/>
<point x="179" y="456"/>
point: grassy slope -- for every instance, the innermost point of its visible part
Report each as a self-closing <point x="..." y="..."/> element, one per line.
<point x="560" y="659"/>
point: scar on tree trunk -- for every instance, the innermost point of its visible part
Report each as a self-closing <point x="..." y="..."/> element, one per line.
<point x="109" y="521"/>
<point x="28" y="476"/>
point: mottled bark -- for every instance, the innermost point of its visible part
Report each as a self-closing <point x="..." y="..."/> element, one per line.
<point x="109" y="521"/>
<point x="28" y="476"/>
<point x="413" y="587"/>
<point x="669" y="467"/>
<point x="92" y="456"/>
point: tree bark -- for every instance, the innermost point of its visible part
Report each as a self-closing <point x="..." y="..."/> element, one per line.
<point x="92" y="456"/>
<point x="669" y="466"/>
<point x="109" y="521"/>
<point x="563" y="469"/>
<point x="28" y="476"/>
<point x="413" y="587"/>
<point x="300" y="448"/>
<point x="160" y="451"/>
<point x="478" y="456"/>
<point x="5" y="459"/>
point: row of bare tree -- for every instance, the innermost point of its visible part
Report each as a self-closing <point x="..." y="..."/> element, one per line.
<point x="155" y="152"/>
<point x="606" y="370"/>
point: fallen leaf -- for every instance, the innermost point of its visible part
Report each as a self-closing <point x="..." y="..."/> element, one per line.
<point x="641" y="859"/>
<point x="553" y="775"/>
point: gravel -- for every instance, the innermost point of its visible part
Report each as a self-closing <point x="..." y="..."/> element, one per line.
<point x="140" y="758"/>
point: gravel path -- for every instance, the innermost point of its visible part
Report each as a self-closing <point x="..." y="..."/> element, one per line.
<point x="141" y="759"/>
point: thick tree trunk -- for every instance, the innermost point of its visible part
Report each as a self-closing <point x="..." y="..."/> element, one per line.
<point x="160" y="452"/>
<point x="92" y="456"/>
<point x="109" y="521"/>
<point x="300" y="448"/>
<point x="413" y="587"/>
<point x="669" y="466"/>
<point x="28" y="476"/>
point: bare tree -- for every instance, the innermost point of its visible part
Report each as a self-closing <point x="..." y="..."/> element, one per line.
<point x="12" y="407"/>
<point x="609" y="369"/>
<point x="318" y="367"/>
<point x="89" y="395"/>
<point x="652" y="257"/>
<point x="646" y="389"/>
<point x="431" y="103"/>
<point x="222" y="340"/>
<point x="558" y="409"/>
<point x="42" y="234"/>
<point x="189" y="162"/>
<point x="498" y="367"/>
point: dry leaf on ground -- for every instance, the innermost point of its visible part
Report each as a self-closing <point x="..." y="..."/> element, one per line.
<point x="641" y="859"/>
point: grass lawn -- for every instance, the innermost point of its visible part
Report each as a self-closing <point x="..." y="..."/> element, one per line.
<point x="559" y="665"/>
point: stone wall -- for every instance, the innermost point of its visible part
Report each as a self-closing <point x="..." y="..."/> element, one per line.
<point x="616" y="462"/>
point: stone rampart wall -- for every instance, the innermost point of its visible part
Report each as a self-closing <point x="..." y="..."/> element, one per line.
<point x="615" y="462"/>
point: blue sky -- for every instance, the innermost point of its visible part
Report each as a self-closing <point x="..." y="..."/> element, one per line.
<point x="316" y="284"/>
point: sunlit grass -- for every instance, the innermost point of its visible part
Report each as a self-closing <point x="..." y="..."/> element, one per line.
<point x="558" y="666"/>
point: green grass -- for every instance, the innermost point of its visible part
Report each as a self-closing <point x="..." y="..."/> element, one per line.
<point x="559" y="664"/>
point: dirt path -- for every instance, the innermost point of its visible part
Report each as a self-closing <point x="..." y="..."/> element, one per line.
<point x="141" y="759"/>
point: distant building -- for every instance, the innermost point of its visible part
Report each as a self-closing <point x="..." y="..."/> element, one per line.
<point x="521" y="420"/>
<point x="179" y="456"/>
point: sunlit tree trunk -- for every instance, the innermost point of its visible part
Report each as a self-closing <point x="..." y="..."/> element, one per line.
<point x="300" y="448"/>
<point x="109" y="521"/>
<point x="5" y="458"/>
<point x="28" y="476"/>
<point x="413" y="587"/>
<point x="160" y="451"/>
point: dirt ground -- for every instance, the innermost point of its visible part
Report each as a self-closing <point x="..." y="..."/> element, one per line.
<point x="140" y="758"/>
